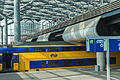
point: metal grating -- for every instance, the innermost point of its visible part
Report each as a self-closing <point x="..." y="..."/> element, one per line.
<point x="93" y="13"/>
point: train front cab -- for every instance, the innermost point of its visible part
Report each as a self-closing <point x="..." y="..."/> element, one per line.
<point x="8" y="62"/>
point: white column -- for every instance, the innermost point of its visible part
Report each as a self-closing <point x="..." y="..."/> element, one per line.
<point x="5" y="31"/>
<point x="17" y="34"/>
<point x="100" y="57"/>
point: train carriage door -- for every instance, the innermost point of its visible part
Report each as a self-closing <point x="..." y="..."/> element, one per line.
<point x="15" y="61"/>
<point x="7" y="62"/>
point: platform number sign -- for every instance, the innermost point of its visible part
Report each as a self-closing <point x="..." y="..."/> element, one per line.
<point x="114" y="45"/>
<point x="90" y="43"/>
<point x="99" y="45"/>
<point x="94" y="45"/>
<point x="104" y="44"/>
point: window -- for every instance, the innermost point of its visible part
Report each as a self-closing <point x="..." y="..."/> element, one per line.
<point x="80" y="62"/>
<point x="53" y="49"/>
<point x="33" y="64"/>
<point x="112" y="60"/>
<point x="80" y="48"/>
<point x="66" y="48"/>
<point x="16" y="59"/>
<point x="26" y="49"/>
<point x="91" y="61"/>
<point x="0" y="59"/>
<point x="39" y="49"/>
<point x="67" y="62"/>
<point x="43" y="64"/>
<point x="53" y="63"/>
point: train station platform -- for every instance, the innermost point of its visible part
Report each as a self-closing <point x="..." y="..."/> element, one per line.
<point x="63" y="74"/>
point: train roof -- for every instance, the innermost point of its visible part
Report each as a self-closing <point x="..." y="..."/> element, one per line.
<point x="49" y="43"/>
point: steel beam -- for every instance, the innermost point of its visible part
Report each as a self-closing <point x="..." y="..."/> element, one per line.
<point x="5" y="31"/>
<point x="91" y="14"/>
<point x="1" y="34"/>
<point x="22" y="9"/>
<point x="17" y="20"/>
<point x="2" y="14"/>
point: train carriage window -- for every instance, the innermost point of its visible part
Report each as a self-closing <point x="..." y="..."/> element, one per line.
<point x="66" y="48"/>
<point x="80" y="48"/>
<point x="67" y="62"/>
<point x="53" y="64"/>
<point x="80" y="62"/>
<point x="112" y="60"/>
<point x="0" y="59"/>
<point x="53" y="49"/>
<point x="91" y="61"/>
<point x="26" y="49"/>
<point x="43" y="64"/>
<point x="16" y="59"/>
<point x="39" y="49"/>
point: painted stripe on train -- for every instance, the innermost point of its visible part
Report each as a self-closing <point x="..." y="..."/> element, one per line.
<point x="37" y="64"/>
<point x="31" y="49"/>
<point x="47" y="45"/>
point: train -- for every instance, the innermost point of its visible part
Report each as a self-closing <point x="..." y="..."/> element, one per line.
<point x="52" y="55"/>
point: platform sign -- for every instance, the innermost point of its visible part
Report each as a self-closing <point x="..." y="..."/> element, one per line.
<point x="114" y="45"/>
<point x="99" y="45"/>
<point x="104" y="44"/>
<point x="90" y="45"/>
<point x="96" y="45"/>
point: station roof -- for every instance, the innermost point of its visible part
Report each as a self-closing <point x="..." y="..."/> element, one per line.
<point x="48" y="9"/>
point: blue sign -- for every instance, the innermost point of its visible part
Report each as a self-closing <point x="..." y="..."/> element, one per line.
<point x="114" y="45"/>
<point x="91" y="43"/>
<point x="96" y="45"/>
<point x="100" y="45"/>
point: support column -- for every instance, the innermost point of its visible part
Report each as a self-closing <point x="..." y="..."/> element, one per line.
<point x="109" y="1"/>
<point x="100" y="57"/>
<point x="5" y="31"/>
<point x="101" y="2"/>
<point x="17" y="21"/>
<point x="1" y="35"/>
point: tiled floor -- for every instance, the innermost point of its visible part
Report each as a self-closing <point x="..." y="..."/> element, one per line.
<point x="64" y="74"/>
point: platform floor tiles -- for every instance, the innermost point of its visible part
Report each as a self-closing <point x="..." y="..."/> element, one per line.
<point x="63" y="74"/>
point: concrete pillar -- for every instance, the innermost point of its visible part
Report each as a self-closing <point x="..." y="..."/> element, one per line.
<point x="5" y="31"/>
<point x="17" y="21"/>
<point x="100" y="57"/>
<point x="1" y="35"/>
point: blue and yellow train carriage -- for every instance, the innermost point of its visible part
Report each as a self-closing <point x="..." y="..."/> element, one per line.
<point x="52" y="55"/>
